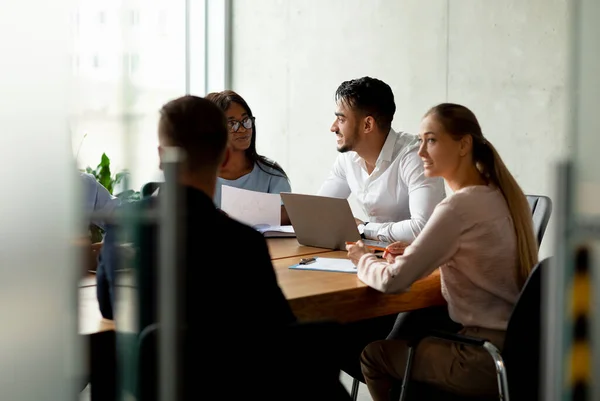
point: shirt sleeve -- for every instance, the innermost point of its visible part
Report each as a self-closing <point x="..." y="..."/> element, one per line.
<point x="97" y="199"/>
<point x="279" y="184"/>
<point x="423" y="195"/>
<point x="436" y="245"/>
<point x="336" y="185"/>
<point x="104" y="200"/>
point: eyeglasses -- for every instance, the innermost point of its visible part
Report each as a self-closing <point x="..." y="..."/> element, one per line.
<point x="235" y="125"/>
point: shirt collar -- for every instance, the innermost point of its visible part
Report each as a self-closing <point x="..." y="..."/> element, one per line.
<point x="387" y="151"/>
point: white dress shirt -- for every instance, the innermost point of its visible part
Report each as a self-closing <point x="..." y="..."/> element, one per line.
<point x="397" y="196"/>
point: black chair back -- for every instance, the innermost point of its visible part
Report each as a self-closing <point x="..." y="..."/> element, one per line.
<point x="522" y="346"/>
<point x="147" y="388"/>
<point x="541" y="209"/>
<point x="149" y="188"/>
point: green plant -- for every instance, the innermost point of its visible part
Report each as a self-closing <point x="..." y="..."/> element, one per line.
<point x="104" y="176"/>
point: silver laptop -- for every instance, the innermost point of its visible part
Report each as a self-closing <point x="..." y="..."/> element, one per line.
<point x="322" y="222"/>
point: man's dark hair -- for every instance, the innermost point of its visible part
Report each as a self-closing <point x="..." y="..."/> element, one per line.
<point x="197" y="126"/>
<point x="370" y="96"/>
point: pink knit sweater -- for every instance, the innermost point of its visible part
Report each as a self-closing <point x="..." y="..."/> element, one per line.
<point x="471" y="237"/>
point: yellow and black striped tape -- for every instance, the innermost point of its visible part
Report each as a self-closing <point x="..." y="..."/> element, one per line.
<point x="579" y="364"/>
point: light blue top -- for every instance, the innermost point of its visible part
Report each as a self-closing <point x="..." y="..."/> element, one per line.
<point x="269" y="181"/>
<point x="96" y="198"/>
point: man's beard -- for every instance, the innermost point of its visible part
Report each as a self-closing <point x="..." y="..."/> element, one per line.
<point x="347" y="147"/>
<point x="344" y="149"/>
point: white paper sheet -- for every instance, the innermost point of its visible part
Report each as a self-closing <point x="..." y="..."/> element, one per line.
<point x="328" y="265"/>
<point x="251" y="207"/>
<point x="275" y="231"/>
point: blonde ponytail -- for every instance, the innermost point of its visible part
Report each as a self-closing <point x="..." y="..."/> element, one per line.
<point x="520" y="212"/>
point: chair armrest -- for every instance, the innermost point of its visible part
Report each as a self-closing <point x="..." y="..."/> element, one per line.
<point x="453" y="337"/>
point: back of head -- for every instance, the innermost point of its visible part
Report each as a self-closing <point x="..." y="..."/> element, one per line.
<point x="197" y="126"/>
<point x="459" y="121"/>
<point x="369" y="96"/>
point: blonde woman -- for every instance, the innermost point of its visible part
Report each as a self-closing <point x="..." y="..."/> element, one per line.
<point x="481" y="237"/>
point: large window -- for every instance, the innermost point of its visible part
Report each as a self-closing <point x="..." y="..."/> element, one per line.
<point x="128" y="59"/>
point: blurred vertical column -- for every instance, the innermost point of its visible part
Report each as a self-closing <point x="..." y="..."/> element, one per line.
<point x="571" y="362"/>
<point x="579" y="355"/>
<point x="171" y="288"/>
<point x="41" y="358"/>
<point x="586" y="206"/>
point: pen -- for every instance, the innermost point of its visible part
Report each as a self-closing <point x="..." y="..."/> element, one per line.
<point x="307" y="261"/>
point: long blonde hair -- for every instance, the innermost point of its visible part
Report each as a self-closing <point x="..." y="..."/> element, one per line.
<point x="460" y="121"/>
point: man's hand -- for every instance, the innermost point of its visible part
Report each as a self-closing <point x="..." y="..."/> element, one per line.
<point x="358" y="222"/>
<point x="356" y="251"/>
<point x="395" y="249"/>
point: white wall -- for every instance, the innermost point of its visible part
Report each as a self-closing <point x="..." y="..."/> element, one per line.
<point x="506" y="60"/>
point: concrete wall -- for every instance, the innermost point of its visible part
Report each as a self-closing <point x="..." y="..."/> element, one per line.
<point x="506" y="60"/>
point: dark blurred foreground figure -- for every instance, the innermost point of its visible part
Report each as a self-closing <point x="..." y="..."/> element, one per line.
<point x="240" y="336"/>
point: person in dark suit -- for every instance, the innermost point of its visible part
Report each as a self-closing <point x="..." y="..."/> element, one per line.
<point x="240" y="331"/>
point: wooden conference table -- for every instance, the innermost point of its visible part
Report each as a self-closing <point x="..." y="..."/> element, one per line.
<point x="313" y="295"/>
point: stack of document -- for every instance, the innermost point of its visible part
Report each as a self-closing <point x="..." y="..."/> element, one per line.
<point x="257" y="209"/>
<point x="251" y="207"/>
<point x="275" y="231"/>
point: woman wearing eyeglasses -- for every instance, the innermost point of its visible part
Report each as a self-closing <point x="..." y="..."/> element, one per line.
<point x="245" y="168"/>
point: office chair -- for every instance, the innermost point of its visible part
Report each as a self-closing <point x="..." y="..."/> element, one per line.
<point x="517" y="366"/>
<point x="149" y="188"/>
<point x="146" y="387"/>
<point x="541" y="209"/>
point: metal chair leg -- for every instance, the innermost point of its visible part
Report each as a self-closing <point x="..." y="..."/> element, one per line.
<point x="409" y="359"/>
<point x="500" y="370"/>
<point x="354" y="392"/>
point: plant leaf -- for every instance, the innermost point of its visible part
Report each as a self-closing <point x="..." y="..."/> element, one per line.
<point x="104" y="161"/>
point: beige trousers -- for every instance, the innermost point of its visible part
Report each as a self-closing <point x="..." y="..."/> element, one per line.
<point x="465" y="370"/>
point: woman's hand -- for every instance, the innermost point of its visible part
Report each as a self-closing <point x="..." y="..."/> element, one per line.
<point x="395" y="249"/>
<point x="356" y="251"/>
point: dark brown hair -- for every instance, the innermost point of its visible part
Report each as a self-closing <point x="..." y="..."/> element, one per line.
<point x="370" y="96"/>
<point x="199" y="127"/>
<point x="224" y="100"/>
<point x="459" y="121"/>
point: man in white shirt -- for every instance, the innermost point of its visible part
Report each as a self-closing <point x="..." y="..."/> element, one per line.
<point x="384" y="172"/>
<point x="378" y="165"/>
